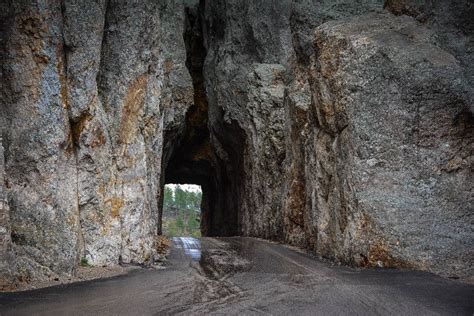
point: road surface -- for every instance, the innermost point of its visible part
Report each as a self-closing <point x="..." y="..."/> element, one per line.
<point x="245" y="276"/>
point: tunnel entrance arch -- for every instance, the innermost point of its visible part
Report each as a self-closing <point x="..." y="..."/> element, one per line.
<point x="208" y="151"/>
<point x="219" y="204"/>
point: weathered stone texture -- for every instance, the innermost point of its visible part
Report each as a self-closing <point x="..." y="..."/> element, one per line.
<point x="349" y="131"/>
<point x="245" y="82"/>
<point x="83" y="129"/>
<point x="453" y="25"/>
<point x="393" y="147"/>
<point x="177" y="88"/>
<point x="7" y="263"/>
<point x="40" y="171"/>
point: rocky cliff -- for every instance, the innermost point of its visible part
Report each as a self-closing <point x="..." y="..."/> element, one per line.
<point x="358" y="125"/>
<point x="88" y="90"/>
<point x="345" y="127"/>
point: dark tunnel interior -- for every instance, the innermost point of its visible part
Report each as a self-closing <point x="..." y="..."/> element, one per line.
<point x="193" y="158"/>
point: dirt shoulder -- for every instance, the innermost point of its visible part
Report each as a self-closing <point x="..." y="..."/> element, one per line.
<point x="82" y="274"/>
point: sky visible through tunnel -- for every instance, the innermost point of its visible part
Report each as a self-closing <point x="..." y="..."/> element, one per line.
<point x="186" y="187"/>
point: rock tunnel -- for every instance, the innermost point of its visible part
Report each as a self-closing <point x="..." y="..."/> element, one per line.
<point x="320" y="125"/>
<point x="193" y="156"/>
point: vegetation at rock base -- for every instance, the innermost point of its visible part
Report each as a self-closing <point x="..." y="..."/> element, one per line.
<point x="84" y="262"/>
<point x="181" y="212"/>
<point x="162" y="245"/>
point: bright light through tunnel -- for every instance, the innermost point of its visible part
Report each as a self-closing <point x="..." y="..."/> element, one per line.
<point x="182" y="210"/>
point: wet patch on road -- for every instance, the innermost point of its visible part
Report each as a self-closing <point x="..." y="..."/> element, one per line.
<point x="190" y="245"/>
<point x="223" y="262"/>
<point x="213" y="266"/>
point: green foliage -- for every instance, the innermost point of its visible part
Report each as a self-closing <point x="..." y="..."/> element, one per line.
<point x="181" y="198"/>
<point x="193" y="224"/>
<point x="168" y="198"/>
<point x="180" y="222"/>
<point x="84" y="262"/>
<point x="181" y="212"/>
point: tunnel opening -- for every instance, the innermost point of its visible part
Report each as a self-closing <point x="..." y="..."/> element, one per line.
<point x="208" y="151"/>
<point x="182" y="210"/>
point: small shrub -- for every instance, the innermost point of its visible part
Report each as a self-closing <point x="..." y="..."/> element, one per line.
<point x="162" y="245"/>
<point x="84" y="262"/>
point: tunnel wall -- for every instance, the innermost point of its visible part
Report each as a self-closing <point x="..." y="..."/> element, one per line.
<point x="88" y="91"/>
<point x="358" y="126"/>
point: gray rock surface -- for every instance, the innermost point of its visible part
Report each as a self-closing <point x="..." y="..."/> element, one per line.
<point x="373" y="127"/>
<point x="40" y="169"/>
<point x="342" y="126"/>
<point x="391" y="183"/>
<point x="83" y="129"/>
<point x="7" y="263"/>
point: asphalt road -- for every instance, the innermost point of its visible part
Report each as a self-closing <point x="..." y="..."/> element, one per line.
<point x="245" y="276"/>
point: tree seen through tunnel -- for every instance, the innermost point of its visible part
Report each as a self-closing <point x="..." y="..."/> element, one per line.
<point x="182" y="210"/>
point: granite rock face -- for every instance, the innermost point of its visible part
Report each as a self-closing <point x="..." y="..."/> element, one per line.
<point x="358" y="127"/>
<point x="7" y="264"/>
<point x="83" y="124"/>
<point x="393" y="181"/>
<point x="345" y="127"/>
<point x="40" y="170"/>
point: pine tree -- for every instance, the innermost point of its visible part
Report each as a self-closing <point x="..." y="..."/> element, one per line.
<point x="181" y="212"/>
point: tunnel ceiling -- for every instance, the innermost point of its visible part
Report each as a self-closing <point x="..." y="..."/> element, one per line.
<point x="193" y="157"/>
